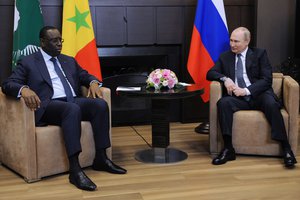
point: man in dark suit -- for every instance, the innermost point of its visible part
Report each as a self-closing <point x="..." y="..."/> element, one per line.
<point x="247" y="77"/>
<point x="50" y="84"/>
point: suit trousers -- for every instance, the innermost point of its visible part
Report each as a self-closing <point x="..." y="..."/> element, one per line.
<point x="266" y="102"/>
<point x="69" y="116"/>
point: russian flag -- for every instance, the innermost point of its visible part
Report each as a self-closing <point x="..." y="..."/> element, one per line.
<point x="209" y="39"/>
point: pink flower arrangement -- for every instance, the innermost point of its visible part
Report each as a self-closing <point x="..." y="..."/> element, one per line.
<point x="162" y="78"/>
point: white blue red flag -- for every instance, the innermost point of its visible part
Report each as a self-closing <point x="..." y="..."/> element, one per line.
<point x="209" y="39"/>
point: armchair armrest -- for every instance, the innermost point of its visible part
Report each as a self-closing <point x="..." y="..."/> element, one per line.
<point x="17" y="136"/>
<point x="291" y="103"/>
<point x="215" y="95"/>
<point x="107" y="97"/>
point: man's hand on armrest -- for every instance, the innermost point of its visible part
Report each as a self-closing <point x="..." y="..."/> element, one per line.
<point x="31" y="99"/>
<point x="94" y="90"/>
<point x="230" y="86"/>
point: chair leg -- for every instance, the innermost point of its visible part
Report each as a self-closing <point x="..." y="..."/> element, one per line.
<point x="32" y="180"/>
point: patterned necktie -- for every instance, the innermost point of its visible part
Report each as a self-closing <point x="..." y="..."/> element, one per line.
<point x="239" y="75"/>
<point x="239" y="72"/>
<point x="63" y="79"/>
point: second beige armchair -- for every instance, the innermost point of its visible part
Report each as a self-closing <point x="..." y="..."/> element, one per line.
<point x="251" y="133"/>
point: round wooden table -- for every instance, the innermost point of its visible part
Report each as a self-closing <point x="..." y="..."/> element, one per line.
<point x="160" y="101"/>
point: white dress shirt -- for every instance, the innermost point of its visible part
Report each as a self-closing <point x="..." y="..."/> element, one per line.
<point x="58" y="88"/>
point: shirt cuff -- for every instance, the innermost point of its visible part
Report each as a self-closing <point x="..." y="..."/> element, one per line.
<point x="95" y="81"/>
<point x="19" y="93"/>
<point x="223" y="79"/>
<point x="247" y="91"/>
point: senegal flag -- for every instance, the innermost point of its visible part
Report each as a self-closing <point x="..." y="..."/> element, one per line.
<point x="78" y="35"/>
<point x="28" y="21"/>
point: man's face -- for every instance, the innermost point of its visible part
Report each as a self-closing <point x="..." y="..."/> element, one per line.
<point x="52" y="42"/>
<point x="238" y="42"/>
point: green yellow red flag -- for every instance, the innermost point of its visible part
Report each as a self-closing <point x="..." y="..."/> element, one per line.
<point x="78" y="35"/>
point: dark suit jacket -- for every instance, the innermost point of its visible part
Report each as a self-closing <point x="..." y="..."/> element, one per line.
<point x="32" y="71"/>
<point x="258" y="69"/>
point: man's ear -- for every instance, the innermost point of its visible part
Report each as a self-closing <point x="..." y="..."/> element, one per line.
<point x="248" y="42"/>
<point x="42" y="42"/>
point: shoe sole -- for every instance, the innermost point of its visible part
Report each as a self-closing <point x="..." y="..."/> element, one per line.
<point x="291" y="166"/>
<point x="231" y="159"/>
<point x="107" y="170"/>
<point x="85" y="189"/>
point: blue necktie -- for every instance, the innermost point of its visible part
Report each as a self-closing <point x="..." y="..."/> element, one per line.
<point x="63" y="79"/>
<point x="239" y="75"/>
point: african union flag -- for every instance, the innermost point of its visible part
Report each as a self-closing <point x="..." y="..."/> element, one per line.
<point x="28" y="21"/>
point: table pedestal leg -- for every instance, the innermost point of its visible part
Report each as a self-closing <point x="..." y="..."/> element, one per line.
<point x="159" y="153"/>
<point x="160" y="123"/>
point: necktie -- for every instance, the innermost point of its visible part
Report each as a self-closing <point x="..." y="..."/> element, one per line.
<point x="239" y="75"/>
<point x="239" y="72"/>
<point x="63" y="79"/>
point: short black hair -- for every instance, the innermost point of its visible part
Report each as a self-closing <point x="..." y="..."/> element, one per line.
<point x="44" y="30"/>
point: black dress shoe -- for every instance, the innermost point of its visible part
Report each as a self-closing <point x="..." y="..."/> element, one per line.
<point x="202" y="128"/>
<point x="109" y="166"/>
<point x="82" y="181"/>
<point x="289" y="159"/>
<point x="224" y="156"/>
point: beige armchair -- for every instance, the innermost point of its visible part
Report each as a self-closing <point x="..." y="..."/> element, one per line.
<point x="251" y="133"/>
<point x="37" y="152"/>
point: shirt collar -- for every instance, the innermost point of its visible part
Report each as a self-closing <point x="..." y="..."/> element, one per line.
<point x="244" y="53"/>
<point x="45" y="55"/>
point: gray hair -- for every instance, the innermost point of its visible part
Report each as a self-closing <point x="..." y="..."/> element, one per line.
<point x="247" y="34"/>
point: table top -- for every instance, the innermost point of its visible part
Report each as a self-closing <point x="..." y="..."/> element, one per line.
<point x="175" y="93"/>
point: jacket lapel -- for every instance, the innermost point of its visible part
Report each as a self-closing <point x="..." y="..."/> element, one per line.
<point x="249" y="59"/>
<point x="40" y="63"/>
<point x="232" y="67"/>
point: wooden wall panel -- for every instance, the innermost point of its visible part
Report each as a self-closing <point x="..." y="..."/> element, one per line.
<point x="52" y="15"/>
<point x="233" y="14"/>
<point x="241" y="14"/>
<point x="276" y="29"/>
<point x="110" y="26"/>
<point x="141" y="26"/>
<point x="297" y="31"/>
<point x="6" y="16"/>
<point x="169" y="25"/>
